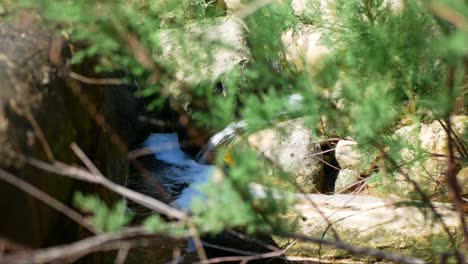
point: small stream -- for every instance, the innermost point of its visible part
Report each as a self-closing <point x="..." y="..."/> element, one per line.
<point x="180" y="174"/>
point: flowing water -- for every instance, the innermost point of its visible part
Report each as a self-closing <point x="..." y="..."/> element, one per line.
<point x="180" y="175"/>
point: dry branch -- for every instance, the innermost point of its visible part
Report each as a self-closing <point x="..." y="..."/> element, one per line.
<point x="47" y="199"/>
<point x="73" y="251"/>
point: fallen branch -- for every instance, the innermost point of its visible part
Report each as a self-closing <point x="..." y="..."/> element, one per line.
<point x="47" y="199"/>
<point x="83" y="175"/>
<point x="76" y="250"/>
<point x="96" y="81"/>
<point x="89" y="164"/>
<point x="360" y="251"/>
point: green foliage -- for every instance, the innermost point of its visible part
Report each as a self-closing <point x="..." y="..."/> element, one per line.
<point x="384" y="66"/>
<point x="155" y="223"/>
<point x="103" y="218"/>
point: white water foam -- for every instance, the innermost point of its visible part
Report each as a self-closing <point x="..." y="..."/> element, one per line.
<point x="182" y="169"/>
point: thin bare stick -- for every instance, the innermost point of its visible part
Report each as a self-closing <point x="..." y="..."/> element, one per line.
<point x="122" y="254"/>
<point x="83" y="175"/>
<point x="39" y="134"/>
<point x="47" y="199"/>
<point x="96" y="81"/>
<point x="230" y="249"/>
<point x="450" y="15"/>
<point x="137" y="197"/>
<point x="87" y="162"/>
<point x="251" y="239"/>
<point x="176" y="255"/>
<point x="424" y="197"/>
<point x="197" y="241"/>
<point x="73" y="251"/>
<point x="360" y="251"/>
<point x="8" y="245"/>
<point x="243" y="258"/>
<point x="453" y="185"/>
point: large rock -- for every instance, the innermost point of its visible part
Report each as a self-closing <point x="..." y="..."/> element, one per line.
<point x="348" y="155"/>
<point x="346" y="180"/>
<point x="202" y="52"/>
<point x="462" y="178"/>
<point x="433" y="139"/>
<point x="309" y="8"/>
<point x="39" y="109"/>
<point x="304" y="48"/>
<point x="424" y="159"/>
<point x="292" y="147"/>
<point x="370" y="222"/>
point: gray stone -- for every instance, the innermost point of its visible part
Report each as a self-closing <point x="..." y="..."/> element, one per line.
<point x="291" y="145"/>
<point x="202" y="51"/>
<point x="346" y="180"/>
<point x="370" y="222"/>
<point x="348" y="156"/>
<point x="462" y="177"/>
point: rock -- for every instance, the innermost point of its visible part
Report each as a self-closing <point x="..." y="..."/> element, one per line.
<point x="308" y="8"/>
<point x="348" y="156"/>
<point x="370" y="222"/>
<point x="433" y="139"/>
<point x="234" y="4"/>
<point x="295" y="150"/>
<point x="409" y="134"/>
<point x="346" y="178"/>
<point x="427" y="170"/>
<point x="304" y="48"/>
<point x="202" y="52"/>
<point x="462" y="177"/>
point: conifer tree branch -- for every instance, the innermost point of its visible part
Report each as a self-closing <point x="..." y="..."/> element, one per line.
<point x="452" y="181"/>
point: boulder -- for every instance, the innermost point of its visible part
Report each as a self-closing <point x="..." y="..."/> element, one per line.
<point x="292" y="147"/>
<point x="426" y="159"/>
<point x="370" y="222"/>
<point x="345" y="180"/>
<point x="201" y="52"/>
<point x="462" y="178"/>
<point x="308" y="8"/>
<point x="348" y="156"/>
<point x="304" y="48"/>
<point x="433" y="139"/>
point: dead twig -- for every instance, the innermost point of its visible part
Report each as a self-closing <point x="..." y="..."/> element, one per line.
<point x="453" y="185"/>
<point x="449" y="15"/>
<point x="83" y="175"/>
<point x="73" y="251"/>
<point x="360" y="251"/>
<point x="198" y="243"/>
<point x="137" y="197"/>
<point x="39" y="134"/>
<point x="122" y="254"/>
<point x="243" y="258"/>
<point x="424" y="197"/>
<point x="97" y="81"/>
<point x="47" y="199"/>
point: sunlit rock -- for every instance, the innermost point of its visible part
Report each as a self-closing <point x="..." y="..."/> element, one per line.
<point x="369" y="222"/>
<point x="424" y="160"/>
<point x="348" y="156"/>
<point x="346" y="180"/>
<point x="307" y="8"/>
<point x="292" y="147"/>
<point x="304" y="48"/>
<point x="201" y="52"/>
